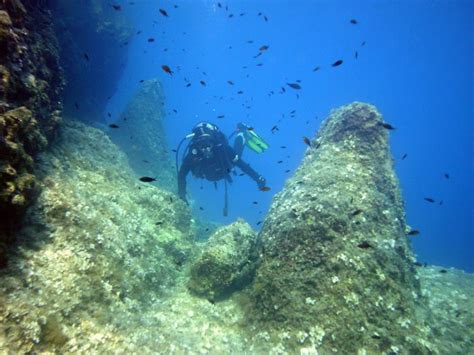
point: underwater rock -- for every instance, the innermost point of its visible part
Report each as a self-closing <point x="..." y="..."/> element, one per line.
<point x="90" y="252"/>
<point x="31" y="83"/>
<point x="227" y="262"/>
<point x="142" y="137"/>
<point x="336" y="269"/>
<point x="93" y="38"/>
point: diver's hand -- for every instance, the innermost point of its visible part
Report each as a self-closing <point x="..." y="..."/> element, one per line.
<point x="261" y="182"/>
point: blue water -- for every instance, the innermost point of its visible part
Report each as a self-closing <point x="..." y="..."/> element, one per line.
<point x="415" y="66"/>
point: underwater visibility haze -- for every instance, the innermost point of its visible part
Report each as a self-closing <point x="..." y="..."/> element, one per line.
<point x="325" y="205"/>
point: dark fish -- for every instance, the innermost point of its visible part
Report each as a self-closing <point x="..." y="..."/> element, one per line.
<point x="241" y="174"/>
<point x="221" y="116"/>
<point x="443" y="271"/>
<point x="163" y="12"/>
<point x="316" y="68"/>
<point x="230" y="82"/>
<point x="138" y="32"/>
<point x="404" y="156"/>
<point x="362" y="44"/>
<point x="337" y="63"/>
<point x="294" y="86"/>
<point x="356" y="212"/>
<point x="265" y="18"/>
<point x="307" y="141"/>
<point x="413" y="232"/>
<point x="159" y="223"/>
<point x="219" y="5"/>
<point x="167" y="69"/>
<point x="240" y="92"/>
<point x="264" y="188"/>
<point x="263" y="48"/>
<point x="230" y="16"/>
<point x="203" y="83"/>
<point x="109" y="114"/>
<point x="86" y="56"/>
<point x="117" y="7"/>
<point x="375" y="336"/>
<point x="364" y="245"/>
<point x="279" y="161"/>
<point x="175" y="111"/>
<point x="440" y="202"/>
<point x="147" y="179"/>
<point x="242" y="14"/>
<point x="188" y="85"/>
<point x="250" y="41"/>
<point x="145" y="161"/>
<point x="151" y="39"/>
<point x="287" y="171"/>
<point x="255" y="202"/>
<point x="429" y="199"/>
<point x="354" y="21"/>
<point x="356" y="55"/>
<point x="259" y="223"/>
<point x="387" y="126"/>
<point x="446" y="175"/>
<point x="113" y="125"/>
<point x="283" y="147"/>
<point x="201" y="208"/>
<point x="259" y="64"/>
<point x="141" y="81"/>
<point x="173" y="150"/>
<point x="76" y="105"/>
<point x="274" y="128"/>
<point x="175" y="6"/>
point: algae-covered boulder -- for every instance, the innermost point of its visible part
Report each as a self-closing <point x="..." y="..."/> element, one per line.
<point x="227" y="262"/>
<point x="337" y="270"/>
<point x="143" y="138"/>
<point x="96" y="247"/>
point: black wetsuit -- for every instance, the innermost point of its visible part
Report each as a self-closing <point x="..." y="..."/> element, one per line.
<point x="218" y="166"/>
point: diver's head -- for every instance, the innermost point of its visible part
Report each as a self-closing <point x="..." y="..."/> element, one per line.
<point x="204" y="146"/>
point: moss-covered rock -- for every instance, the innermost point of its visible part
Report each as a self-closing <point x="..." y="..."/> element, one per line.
<point x="97" y="246"/>
<point x="227" y="263"/>
<point x="337" y="269"/>
<point x="142" y="137"/>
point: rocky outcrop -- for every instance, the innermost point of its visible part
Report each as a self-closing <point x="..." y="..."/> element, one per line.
<point x="94" y="45"/>
<point x="227" y="262"/>
<point x="337" y="271"/>
<point x="97" y="247"/>
<point x="31" y="83"/>
<point x="142" y="137"/>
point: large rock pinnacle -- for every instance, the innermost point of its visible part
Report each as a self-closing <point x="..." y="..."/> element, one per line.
<point x="336" y="264"/>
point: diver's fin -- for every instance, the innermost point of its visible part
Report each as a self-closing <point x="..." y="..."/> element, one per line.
<point x="255" y="142"/>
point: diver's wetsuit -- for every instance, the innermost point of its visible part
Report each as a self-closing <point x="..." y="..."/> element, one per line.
<point x="218" y="166"/>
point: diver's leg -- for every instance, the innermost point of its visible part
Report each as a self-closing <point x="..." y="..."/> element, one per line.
<point x="239" y="144"/>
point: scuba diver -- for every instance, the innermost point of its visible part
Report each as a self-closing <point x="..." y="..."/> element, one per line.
<point x="209" y="156"/>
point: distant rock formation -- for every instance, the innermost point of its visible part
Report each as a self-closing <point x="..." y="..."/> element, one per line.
<point x="337" y="270"/>
<point x="96" y="247"/>
<point x="31" y="84"/>
<point x="142" y="137"/>
<point x="227" y="262"/>
<point x="93" y="38"/>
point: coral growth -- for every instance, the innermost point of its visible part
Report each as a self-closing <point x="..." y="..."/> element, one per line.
<point x="31" y="84"/>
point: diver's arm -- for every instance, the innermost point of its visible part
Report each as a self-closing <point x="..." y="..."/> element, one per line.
<point x="183" y="172"/>
<point x="247" y="169"/>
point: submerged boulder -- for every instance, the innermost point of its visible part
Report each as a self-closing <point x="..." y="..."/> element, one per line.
<point x="147" y="151"/>
<point x="227" y="262"/>
<point x="337" y="271"/>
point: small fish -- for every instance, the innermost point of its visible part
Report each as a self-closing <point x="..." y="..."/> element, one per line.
<point x="259" y="223"/>
<point x="265" y="18"/>
<point x="221" y="116"/>
<point x="356" y="212"/>
<point x="429" y="199"/>
<point x="109" y="114"/>
<point x="337" y="63"/>
<point x="147" y="179"/>
<point x="230" y="15"/>
<point x="375" y="336"/>
<point x="264" y="188"/>
<point x="167" y="69"/>
<point x="356" y="54"/>
<point x="201" y="208"/>
<point x="274" y="128"/>
<point x="307" y="141"/>
<point x="230" y="82"/>
<point x="443" y="271"/>
<point x="404" y="156"/>
<point x="138" y="32"/>
<point x="241" y="174"/>
<point x="163" y="12"/>
<point x="113" y="125"/>
<point x="446" y="175"/>
<point x="294" y="86"/>
<point x="240" y="92"/>
<point x="151" y="39"/>
<point x="159" y="223"/>
<point x="259" y="64"/>
<point x="219" y="5"/>
<point x="354" y="21"/>
<point x="387" y="126"/>
<point x="145" y="161"/>
<point x="263" y="48"/>
<point x="279" y="161"/>
<point x="255" y="202"/>
<point x="86" y="56"/>
<point x="283" y="147"/>
<point x="362" y="44"/>
<point x="440" y="202"/>
<point x="364" y="245"/>
<point x="316" y="68"/>
<point x="175" y="6"/>
<point x="76" y="105"/>
<point x="141" y="81"/>
<point x="175" y="111"/>
<point x="287" y="171"/>
<point x="413" y="232"/>
<point x="250" y="41"/>
<point x="188" y="85"/>
<point x="242" y="14"/>
<point x="203" y="83"/>
<point x="117" y="7"/>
